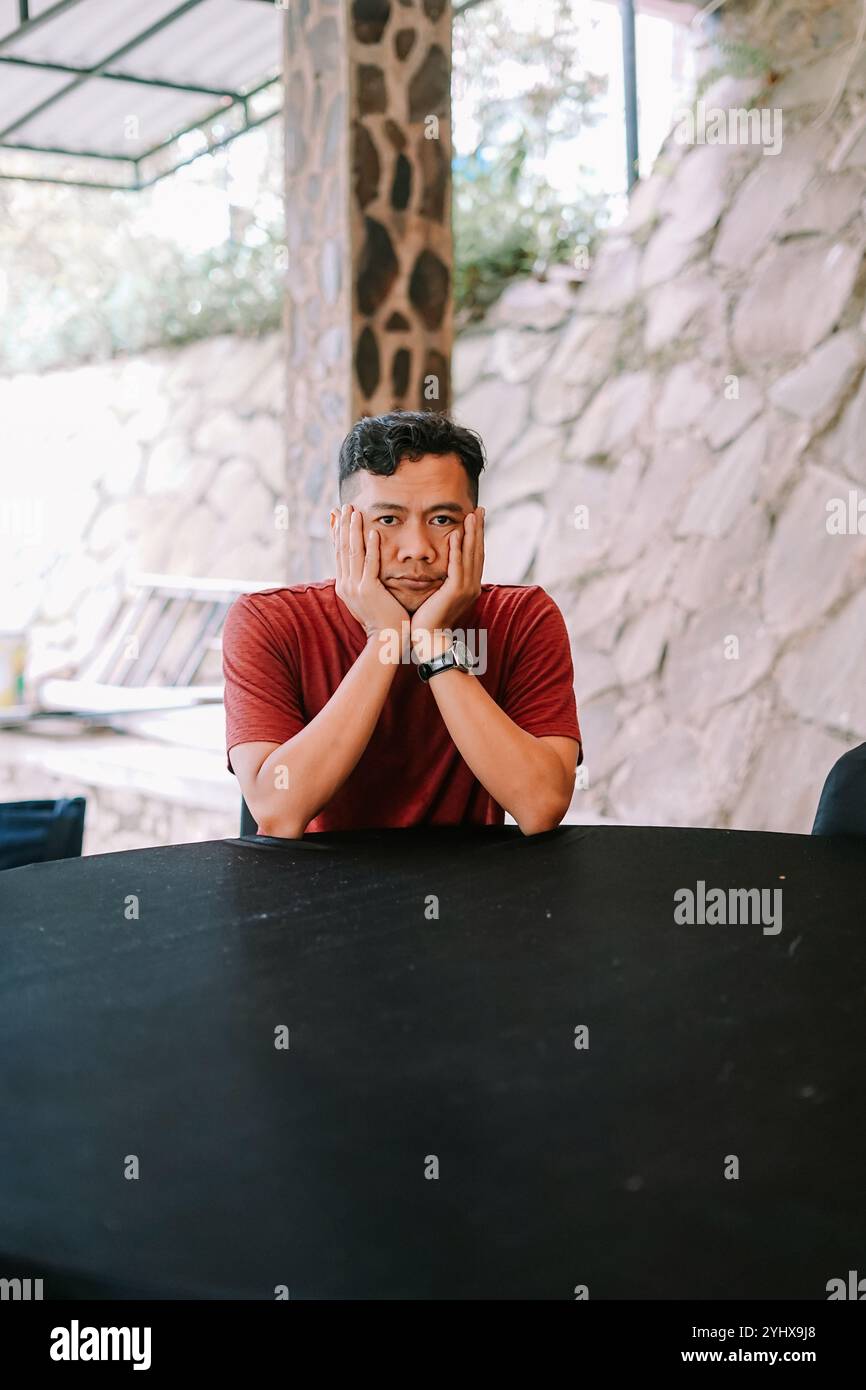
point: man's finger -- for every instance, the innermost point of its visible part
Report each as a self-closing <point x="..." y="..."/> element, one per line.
<point x="335" y="536"/>
<point x="455" y="557"/>
<point x="479" y="545"/>
<point x="371" y="556"/>
<point x="467" y="549"/>
<point x="344" y="543"/>
<point x="356" y="546"/>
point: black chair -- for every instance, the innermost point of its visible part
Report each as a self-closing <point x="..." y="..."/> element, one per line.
<point x="33" y="832"/>
<point x="248" y="823"/>
<point x="842" y="807"/>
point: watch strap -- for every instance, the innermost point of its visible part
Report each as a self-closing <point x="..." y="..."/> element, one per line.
<point x="448" y="660"/>
<point x="445" y="662"/>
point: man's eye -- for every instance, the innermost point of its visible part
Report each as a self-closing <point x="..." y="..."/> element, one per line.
<point x="383" y="519"/>
<point x="449" y="520"/>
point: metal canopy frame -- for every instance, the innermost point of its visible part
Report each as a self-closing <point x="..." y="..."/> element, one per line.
<point x="231" y="103"/>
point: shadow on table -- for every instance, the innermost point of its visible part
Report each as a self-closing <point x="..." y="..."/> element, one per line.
<point x="443" y="836"/>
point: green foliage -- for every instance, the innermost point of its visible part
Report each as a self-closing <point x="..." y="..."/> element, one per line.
<point x="86" y="274"/>
<point x="507" y="217"/>
<point x="735" y="60"/>
<point x="163" y="298"/>
<point x="506" y="222"/>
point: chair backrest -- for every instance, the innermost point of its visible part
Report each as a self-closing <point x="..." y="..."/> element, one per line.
<point x="248" y="822"/>
<point x="33" y="832"/>
<point x="163" y="631"/>
<point x="842" y="807"/>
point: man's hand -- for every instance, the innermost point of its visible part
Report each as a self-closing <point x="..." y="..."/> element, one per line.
<point x="461" y="588"/>
<point x="358" y="582"/>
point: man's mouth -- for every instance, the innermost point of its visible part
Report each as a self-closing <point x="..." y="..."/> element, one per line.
<point x="414" y="583"/>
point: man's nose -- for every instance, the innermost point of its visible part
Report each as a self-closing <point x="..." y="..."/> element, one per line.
<point x="415" y="542"/>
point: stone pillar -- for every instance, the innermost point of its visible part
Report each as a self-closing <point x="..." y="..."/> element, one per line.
<point x="368" y="218"/>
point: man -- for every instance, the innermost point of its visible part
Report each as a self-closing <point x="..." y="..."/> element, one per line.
<point x="350" y="702"/>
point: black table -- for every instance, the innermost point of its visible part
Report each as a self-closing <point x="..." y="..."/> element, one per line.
<point x="411" y="1037"/>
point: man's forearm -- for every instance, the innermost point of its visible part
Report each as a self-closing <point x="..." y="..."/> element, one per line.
<point x="519" y="771"/>
<point x="300" y="777"/>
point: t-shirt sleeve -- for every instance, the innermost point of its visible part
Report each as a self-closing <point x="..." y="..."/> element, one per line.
<point x="262" y="692"/>
<point x="539" y="687"/>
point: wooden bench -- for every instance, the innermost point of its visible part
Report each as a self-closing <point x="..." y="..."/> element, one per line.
<point x="152" y="655"/>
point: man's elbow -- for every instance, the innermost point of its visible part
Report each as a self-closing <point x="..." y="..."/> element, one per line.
<point x="280" y="828"/>
<point x="276" y="811"/>
<point x="539" y="818"/>
<point x="533" y="826"/>
<point x="280" y="821"/>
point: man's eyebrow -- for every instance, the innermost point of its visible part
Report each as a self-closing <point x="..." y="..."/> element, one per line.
<point x="395" y="507"/>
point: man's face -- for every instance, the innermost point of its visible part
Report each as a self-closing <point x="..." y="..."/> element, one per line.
<point x="414" y="511"/>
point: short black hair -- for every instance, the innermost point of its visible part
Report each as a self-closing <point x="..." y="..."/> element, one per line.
<point x="379" y="443"/>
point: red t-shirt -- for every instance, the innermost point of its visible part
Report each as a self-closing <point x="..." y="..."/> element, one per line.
<point x="285" y="651"/>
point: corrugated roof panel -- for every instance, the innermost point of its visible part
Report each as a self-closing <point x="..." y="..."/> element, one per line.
<point x="221" y="43"/>
<point x="8" y="16"/>
<point x="87" y="32"/>
<point x="122" y="119"/>
<point x="67" y="168"/>
<point x="201" y="48"/>
<point x="10" y="13"/>
<point x="22" y="89"/>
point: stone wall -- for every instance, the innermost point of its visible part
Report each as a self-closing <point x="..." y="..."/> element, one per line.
<point x="675" y="454"/>
<point x="678" y="455"/>
<point x="171" y="462"/>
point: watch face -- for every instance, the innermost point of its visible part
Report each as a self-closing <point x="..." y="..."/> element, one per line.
<point x="461" y="654"/>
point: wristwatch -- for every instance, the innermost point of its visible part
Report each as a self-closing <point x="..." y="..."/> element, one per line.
<point x="457" y="656"/>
